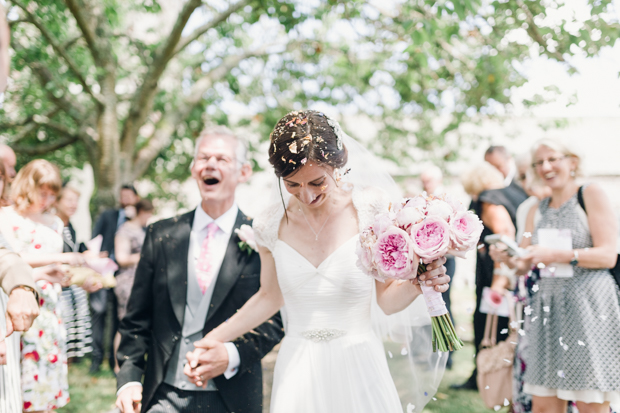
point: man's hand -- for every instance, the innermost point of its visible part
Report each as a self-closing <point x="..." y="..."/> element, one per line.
<point x="21" y="310"/>
<point x="129" y="400"/>
<point x="209" y="360"/>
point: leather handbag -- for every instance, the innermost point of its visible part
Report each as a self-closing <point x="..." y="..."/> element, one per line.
<point x="494" y="362"/>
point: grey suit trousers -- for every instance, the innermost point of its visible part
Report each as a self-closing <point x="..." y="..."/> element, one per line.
<point x="169" y="399"/>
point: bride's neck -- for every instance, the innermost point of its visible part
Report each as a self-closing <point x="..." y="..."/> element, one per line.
<point x="331" y="202"/>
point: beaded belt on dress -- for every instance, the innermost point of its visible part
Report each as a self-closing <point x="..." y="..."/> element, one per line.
<point x="323" y="334"/>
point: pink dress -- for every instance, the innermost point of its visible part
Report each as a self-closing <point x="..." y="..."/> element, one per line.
<point x="43" y="354"/>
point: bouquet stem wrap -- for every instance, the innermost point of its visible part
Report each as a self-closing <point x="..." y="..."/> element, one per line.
<point x="444" y="337"/>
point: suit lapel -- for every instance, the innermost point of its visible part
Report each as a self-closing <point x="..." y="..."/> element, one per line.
<point x="177" y="252"/>
<point x="233" y="263"/>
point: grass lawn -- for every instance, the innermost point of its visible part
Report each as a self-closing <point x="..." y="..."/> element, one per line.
<point x="97" y="394"/>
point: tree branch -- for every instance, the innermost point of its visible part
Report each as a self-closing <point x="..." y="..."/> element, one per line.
<point x="532" y="30"/>
<point x="46" y="148"/>
<point x="170" y="121"/>
<point x="86" y="28"/>
<point x="142" y="101"/>
<point x="60" y="50"/>
<point x="45" y="76"/>
<point x="209" y="25"/>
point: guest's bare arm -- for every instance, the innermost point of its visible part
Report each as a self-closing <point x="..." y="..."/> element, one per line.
<point x="122" y="252"/>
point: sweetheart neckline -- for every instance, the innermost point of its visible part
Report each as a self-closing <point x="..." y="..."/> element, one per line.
<point x="326" y="258"/>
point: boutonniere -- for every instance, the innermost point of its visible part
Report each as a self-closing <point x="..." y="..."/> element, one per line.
<point x="246" y="235"/>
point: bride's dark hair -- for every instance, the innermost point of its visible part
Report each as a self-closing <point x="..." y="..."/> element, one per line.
<point x="304" y="136"/>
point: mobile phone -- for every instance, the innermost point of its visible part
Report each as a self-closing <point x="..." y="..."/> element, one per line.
<point x="512" y="247"/>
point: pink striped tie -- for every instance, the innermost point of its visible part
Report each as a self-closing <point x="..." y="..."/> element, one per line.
<point x="204" y="268"/>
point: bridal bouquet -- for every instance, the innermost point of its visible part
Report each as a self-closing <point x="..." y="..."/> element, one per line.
<point x="424" y="228"/>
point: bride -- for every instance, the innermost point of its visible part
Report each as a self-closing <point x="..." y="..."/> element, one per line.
<point x="331" y="359"/>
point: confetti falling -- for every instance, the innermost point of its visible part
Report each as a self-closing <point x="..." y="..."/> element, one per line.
<point x="535" y="288"/>
<point x="462" y="328"/>
<point x="390" y="354"/>
<point x="521" y="332"/>
<point x="527" y="235"/>
<point x="527" y="310"/>
<point x="540" y="265"/>
<point x="546" y="309"/>
<point x="506" y="402"/>
<point x="508" y="361"/>
<point x="487" y="388"/>
<point x="497" y="407"/>
<point x="581" y="343"/>
<point x="534" y="319"/>
<point x="404" y="352"/>
<point x="514" y="324"/>
<point x="561" y="373"/>
<point x="603" y="317"/>
<point x="410" y="408"/>
<point x="544" y="321"/>
<point x="504" y="331"/>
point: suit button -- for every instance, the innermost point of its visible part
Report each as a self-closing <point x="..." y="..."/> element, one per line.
<point x="187" y="341"/>
<point x="175" y="338"/>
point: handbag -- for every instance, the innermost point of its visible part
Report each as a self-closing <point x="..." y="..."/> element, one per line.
<point x="494" y="363"/>
<point x="615" y="270"/>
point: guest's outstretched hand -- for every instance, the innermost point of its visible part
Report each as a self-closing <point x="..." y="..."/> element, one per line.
<point x="208" y="360"/>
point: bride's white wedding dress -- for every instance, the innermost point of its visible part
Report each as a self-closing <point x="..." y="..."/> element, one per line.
<point x="330" y="360"/>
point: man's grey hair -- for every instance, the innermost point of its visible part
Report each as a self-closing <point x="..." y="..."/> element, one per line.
<point x="241" y="151"/>
<point x="501" y="149"/>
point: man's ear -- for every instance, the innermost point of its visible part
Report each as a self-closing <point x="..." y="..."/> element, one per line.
<point x="245" y="173"/>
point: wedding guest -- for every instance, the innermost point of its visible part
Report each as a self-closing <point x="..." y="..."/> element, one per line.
<point x="485" y="185"/>
<point x="103" y="302"/>
<point x="127" y="248"/>
<point x="432" y="184"/>
<point x="38" y="236"/>
<point x="500" y="158"/>
<point x="574" y="315"/>
<point x="9" y="159"/>
<point x="74" y="301"/>
<point x="18" y="309"/>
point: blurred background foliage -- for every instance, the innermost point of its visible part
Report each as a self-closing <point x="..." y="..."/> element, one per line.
<point x="127" y="85"/>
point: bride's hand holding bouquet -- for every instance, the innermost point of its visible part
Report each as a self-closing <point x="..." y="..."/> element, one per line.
<point x="403" y="242"/>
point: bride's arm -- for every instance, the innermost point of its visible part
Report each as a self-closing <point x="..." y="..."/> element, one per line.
<point x="394" y="295"/>
<point x="258" y="309"/>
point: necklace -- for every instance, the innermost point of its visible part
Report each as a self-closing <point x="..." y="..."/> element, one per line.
<point x="316" y="234"/>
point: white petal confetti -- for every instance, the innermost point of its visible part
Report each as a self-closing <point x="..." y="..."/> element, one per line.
<point x="506" y="402"/>
<point x="581" y="343"/>
<point x="540" y="265"/>
<point x="462" y="329"/>
<point x="514" y="324"/>
<point x="390" y="354"/>
<point x="410" y="408"/>
<point x="527" y="235"/>
<point x="487" y="388"/>
<point x="527" y="310"/>
<point x="521" y="332"/>
<point x="561" y="373"/>
<point x="507" y="361"/>
<point x="504" y="331"/>
<point x="434" y="399"/>
<point x="514" y="342"/>
<point x="544" y="321"/>
<point x="603" y="317"/>
<point x="534" y="319"/>
<point x="546" y="309"/>
<point x="535" y="288"/>
<point x="565" y="347"/>
<point x="497" y="408"/>
<point x="404" y="352"/>
<point x="561" y="341"/>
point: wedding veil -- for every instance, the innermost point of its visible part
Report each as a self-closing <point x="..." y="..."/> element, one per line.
<point x="416" y="370"/>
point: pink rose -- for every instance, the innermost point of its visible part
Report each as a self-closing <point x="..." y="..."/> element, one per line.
<point x="457" y="206"/>
<point x="246" y="234"/>
<point x="440" y="208"/>
<point x="465" y="230"/>
<point x="393" y="255"/>
<point x="431" y="238"/>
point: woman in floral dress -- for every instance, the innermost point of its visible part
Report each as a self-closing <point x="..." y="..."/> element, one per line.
<point x="37" y="237"/>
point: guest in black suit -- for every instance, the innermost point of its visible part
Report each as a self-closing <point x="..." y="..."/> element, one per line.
<point x="103" y="302"/>
<point x="499" y="157"/>
<point x="191" y="277"/>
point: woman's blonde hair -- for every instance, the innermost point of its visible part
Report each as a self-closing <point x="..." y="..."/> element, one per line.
<point x="4" y="194"/>
<point x="558" y="146"/>
<point x="32" y="177"/>
<point x="480" y="178"/>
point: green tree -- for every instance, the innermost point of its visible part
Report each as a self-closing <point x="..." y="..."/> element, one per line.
<point x="90" y="84"/>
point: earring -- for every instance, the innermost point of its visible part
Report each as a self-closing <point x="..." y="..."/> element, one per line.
<point x="572" y="173"/>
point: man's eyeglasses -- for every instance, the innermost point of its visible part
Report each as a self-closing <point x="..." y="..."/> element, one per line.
<point x="552" y="161"/>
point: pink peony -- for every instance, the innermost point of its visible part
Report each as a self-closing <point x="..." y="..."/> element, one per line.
<point x="364" y="252"/>
<point x="408" y="217"/>
<point x="246" y="234"/>
<point x="457" y="206"/>
<point x="465" y="230"/>
<point x="431" y="238"/>
<point x="440" y="208"/>
<point x="393" y="255"/>
<point x="382" y="223"/>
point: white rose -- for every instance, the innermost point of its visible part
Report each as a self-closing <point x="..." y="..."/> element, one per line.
<point x="440" y="208"/>
<point x="246" y="234"/>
